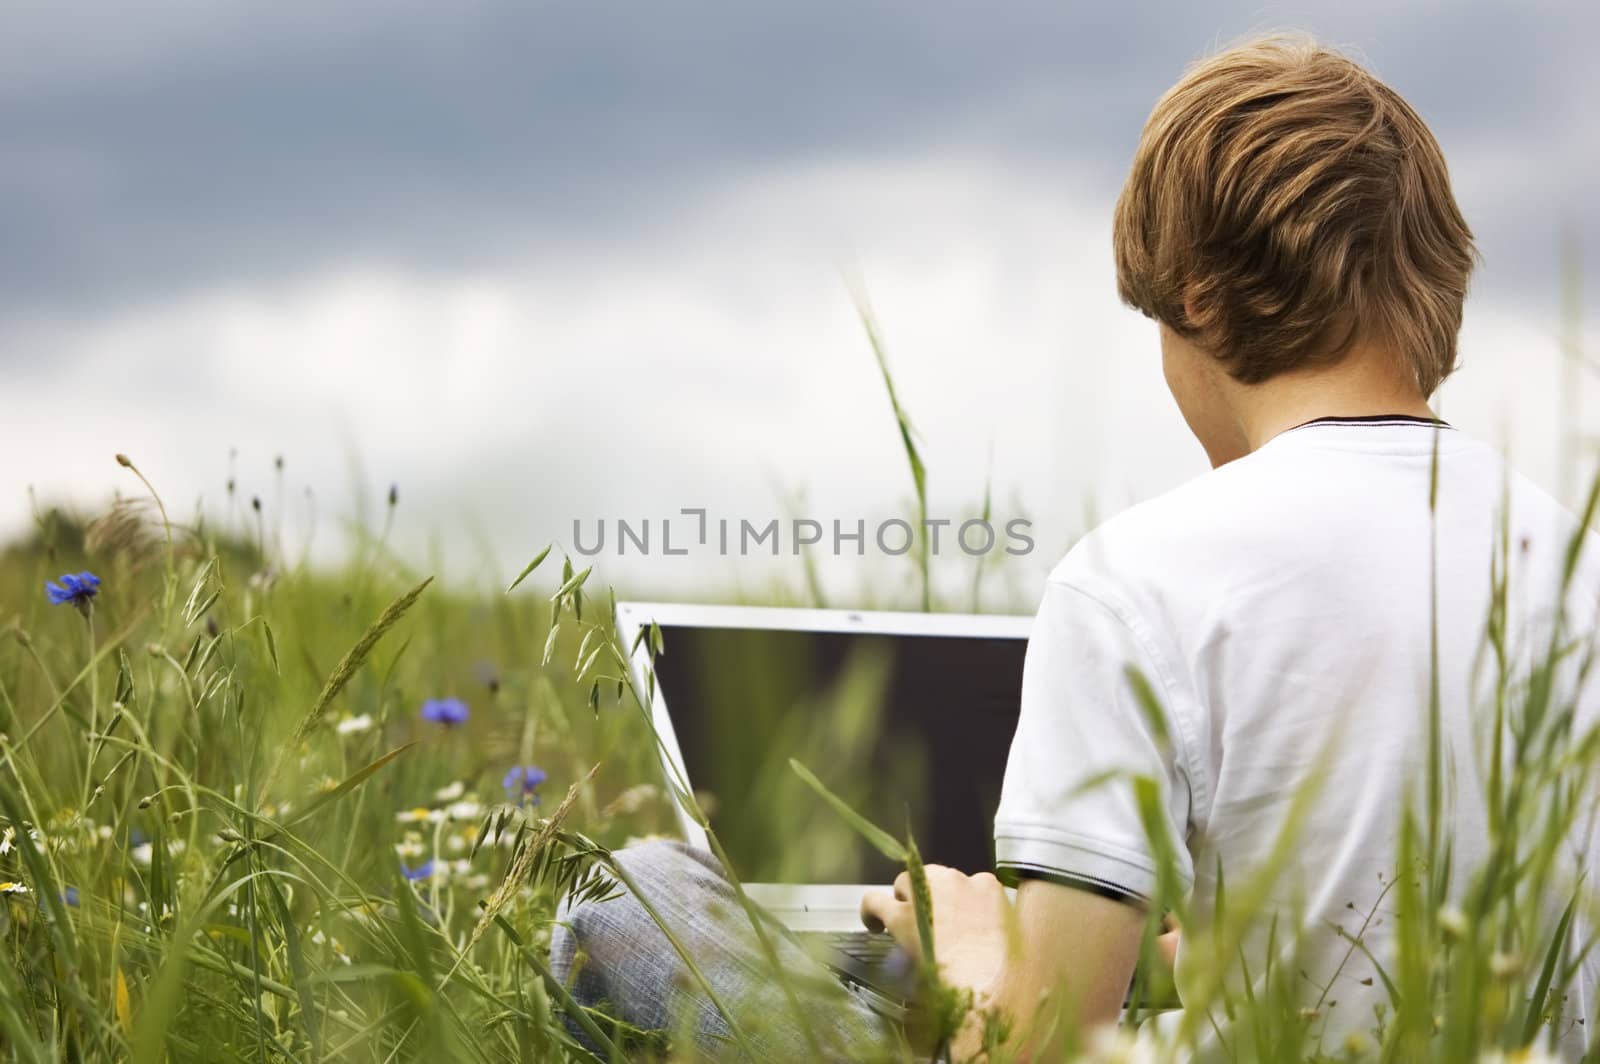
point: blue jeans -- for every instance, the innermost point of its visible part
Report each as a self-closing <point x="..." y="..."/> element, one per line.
<point x="614" y="954"/>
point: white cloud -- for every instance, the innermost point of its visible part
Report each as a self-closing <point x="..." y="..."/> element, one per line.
<point x="717" y="364"/>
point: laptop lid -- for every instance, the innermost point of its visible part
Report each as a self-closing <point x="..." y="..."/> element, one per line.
<point x="906" y="716"/>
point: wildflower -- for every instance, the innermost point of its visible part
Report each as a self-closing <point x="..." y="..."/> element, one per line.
<point x="522" y="783"/>
<point x="467" y="809"/>
<point x="354" y="725"/>
<point x="6" y="839"/>
<point x="74" y="589"/>
<point x="142" y="853"/>
<point x="419" y="815"/>
<point x="422" y="871"/>
<point x="9" y="887"/>
<point x="446" y="711"/>
<point x="70" y="896"/>
<point x="1504" y="965"/>
<point x="450" y="792"/>
<point x="332" y="943"/>
<point x="410" y="846"/>
<point x="1452" y="921"/>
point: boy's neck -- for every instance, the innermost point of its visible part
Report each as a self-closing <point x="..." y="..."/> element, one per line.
<point x="1367" y="381"/>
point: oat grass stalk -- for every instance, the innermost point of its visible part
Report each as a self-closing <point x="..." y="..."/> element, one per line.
<point x="342" y="674"/>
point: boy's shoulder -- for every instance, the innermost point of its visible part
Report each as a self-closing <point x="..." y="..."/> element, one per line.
<point x="1200" y="521"/>
<point x="1286" y="511"/>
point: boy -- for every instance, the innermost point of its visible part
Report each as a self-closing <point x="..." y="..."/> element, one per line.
<point x="1288" y="222"/>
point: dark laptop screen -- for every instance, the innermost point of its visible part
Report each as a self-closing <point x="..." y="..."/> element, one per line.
<point x="906" y="728"/>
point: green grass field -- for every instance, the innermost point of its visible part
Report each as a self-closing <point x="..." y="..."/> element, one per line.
<point x="213" y="799"/>
<point x="241" y="824"/>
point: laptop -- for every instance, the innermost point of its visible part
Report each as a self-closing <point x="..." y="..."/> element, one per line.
<point x="906" y="716"/>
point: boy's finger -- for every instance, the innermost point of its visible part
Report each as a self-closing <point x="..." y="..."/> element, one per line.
<point x="877" y="909"/>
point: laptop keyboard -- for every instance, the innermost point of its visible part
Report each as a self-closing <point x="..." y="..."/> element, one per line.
<point x="868" y="947"/>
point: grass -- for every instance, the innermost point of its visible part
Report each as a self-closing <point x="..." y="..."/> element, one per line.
<point x="230" y="836"/>
<point x="213" y="781"/>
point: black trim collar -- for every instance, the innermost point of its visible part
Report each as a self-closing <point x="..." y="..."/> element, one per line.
<point x="1375" y="419"/>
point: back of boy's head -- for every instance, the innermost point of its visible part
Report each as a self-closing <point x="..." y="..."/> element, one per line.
<point x="1282" y="203"/>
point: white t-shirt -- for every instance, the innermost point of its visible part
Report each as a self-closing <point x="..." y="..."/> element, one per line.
<point x="1279" y="608"/>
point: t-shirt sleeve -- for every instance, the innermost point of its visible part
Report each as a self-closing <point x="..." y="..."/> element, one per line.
<point x="1082" y="721"/>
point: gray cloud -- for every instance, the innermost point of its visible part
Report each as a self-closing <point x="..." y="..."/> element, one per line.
<point x="187" y="151"/>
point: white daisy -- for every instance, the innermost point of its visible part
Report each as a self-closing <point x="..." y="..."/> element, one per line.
<point x="354" y="725"/>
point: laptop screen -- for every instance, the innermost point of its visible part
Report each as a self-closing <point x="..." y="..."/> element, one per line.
<point x="908" y="729"/>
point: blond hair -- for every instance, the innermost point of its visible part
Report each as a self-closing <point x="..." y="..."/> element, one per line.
<point x="1283" y="202"/>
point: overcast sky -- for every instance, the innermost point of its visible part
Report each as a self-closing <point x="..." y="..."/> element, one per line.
<point x="559" y="262"/>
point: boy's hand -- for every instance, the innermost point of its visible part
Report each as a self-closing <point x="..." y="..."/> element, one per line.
<point x="970" y="921"/>
<point x="1009" y="956"/>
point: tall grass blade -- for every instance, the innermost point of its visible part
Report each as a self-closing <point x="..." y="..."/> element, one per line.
<point x="919" y="472"/>
<point x="881" y="840"/>
<point x="346" y="785"/>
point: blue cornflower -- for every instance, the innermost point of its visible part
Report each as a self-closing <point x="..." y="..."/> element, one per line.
<point x="70" y="896"/>
<point x="74" y="589"/>
<point x="446" y="711"/>
<point x="422" y="871"/>
<point x="523" y="781"/>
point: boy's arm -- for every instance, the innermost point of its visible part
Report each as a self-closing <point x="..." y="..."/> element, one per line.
<point x="1058" y="959"/>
